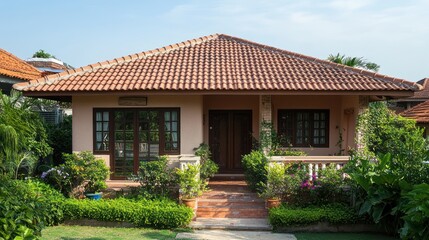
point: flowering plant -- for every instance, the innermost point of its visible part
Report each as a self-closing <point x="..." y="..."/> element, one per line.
<point x="58" y="178"/>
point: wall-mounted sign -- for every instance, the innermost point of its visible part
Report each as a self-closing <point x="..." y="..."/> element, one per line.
<point x="132" y="101"/>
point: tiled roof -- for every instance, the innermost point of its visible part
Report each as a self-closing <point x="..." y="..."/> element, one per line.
<point x="216" y="63"/>
<point x="424" y="92"/>
<point x="12" y="66"/>
<point x="420" y="112"/>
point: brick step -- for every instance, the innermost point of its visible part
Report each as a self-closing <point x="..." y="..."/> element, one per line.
<point x="238" y="200"/>
<point x="232" y="213"/>
<point x="253" y="205"/>
<point x="236" y="194"/>
<point x="228" y="177"/>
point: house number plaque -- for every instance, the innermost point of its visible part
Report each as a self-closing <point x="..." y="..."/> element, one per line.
<point x="132" y="101"/>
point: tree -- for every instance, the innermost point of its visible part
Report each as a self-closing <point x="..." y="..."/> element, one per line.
<point x="42" y="54"/>
<point x="357" y="62"/>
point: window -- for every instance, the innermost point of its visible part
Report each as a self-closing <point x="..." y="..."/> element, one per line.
<point x="146" y="133"/>
<point x="101" y="131"/>
<point x="304" y="128"/>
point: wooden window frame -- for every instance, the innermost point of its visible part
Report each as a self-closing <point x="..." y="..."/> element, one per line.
<point x="161" y="112"/>
<point x="311" y="112"/>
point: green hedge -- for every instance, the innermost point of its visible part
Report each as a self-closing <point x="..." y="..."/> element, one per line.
<point x="142" y="213"/>
<point x="285" y="215"/>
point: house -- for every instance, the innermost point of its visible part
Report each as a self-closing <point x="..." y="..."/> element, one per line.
<point x="402" y="104"/>
<point x="216" y="89"/>
<point x="420" y="113"/>
<point x="14" y="70"/>
<point x="48" y="65"/>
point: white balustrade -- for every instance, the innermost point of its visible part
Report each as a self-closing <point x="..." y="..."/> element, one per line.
<point x="314" y="163"/>
<point x="184" y="160"/>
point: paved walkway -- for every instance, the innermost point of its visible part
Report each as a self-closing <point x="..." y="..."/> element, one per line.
<point x="234" y="235"/>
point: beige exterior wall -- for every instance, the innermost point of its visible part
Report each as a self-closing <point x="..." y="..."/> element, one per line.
<point x="194" y="113"/>
<point x="191" y="118"/>
<point x="339" y="117"/>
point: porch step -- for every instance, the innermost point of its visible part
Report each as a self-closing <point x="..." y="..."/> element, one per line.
<point x="226" y="177"/>
<point x="230" y="199"/>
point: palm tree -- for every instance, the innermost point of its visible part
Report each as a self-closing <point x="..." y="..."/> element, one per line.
<point x="357" y="62"/>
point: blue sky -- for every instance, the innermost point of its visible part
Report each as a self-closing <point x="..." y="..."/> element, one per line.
<point x="391" y="33"/>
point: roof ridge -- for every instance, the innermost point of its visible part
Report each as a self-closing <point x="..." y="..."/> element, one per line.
<point x="379" y="76"/>
<point x="116" y="61"/>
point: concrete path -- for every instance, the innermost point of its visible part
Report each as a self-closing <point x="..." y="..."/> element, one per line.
<point x="234" y="235"/>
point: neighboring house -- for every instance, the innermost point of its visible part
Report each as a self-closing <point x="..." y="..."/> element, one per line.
<point x="420" y="113"/>
<point x="14" y="70"/>
<point x="402" y="104"/>
<point x="48" y="65"/>
<point x="216" y="89"/>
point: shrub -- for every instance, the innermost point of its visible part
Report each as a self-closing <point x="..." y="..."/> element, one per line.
<point x="285" y="215"/>
<point x="208" y="167"/>
<point x="416" y="213"/>
<point x="142" y="213"/>
<point x="189" y="181"/>
<point x="327" y="187"/>
<point x="81" y="170"/>
<point x="255" y="171"/>
<point x="156" y="178"/>
<point x="60" y="139"/>
<point x="275" y="186"/>
<point x="26" y="207"/>
<point x="287" y="152"/>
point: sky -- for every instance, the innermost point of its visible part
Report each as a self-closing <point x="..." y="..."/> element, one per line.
<point x="392" y="33"/>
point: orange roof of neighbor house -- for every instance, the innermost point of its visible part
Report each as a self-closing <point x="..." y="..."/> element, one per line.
<point x="216" y="63"/>
<point x="424" y="92"/>
<point x="12" y="66"/>
<point x="420" y="112"/>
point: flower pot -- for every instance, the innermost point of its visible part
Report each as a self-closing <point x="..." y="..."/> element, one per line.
<point x="189" y="202"/>
<point x="273" y="202"/>
<point x="93" y="196"/>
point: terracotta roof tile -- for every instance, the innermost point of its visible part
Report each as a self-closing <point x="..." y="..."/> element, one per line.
<point x="12" y="66"/>
<point x="424" y="92"/>
<point x="420" y="112"/>
<point x="217" y="62"/>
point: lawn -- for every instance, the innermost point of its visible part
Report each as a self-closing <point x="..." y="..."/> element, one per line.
<point x="103" y="233"/>
<point x="341" y="236"/>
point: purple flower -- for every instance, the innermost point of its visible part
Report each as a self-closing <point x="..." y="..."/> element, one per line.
<point x="44" y="175"/>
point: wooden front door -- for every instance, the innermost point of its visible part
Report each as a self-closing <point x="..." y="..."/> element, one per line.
<point x="230" y="137"/>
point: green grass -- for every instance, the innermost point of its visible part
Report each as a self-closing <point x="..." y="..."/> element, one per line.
<point x="341" y="236"/>
<point x="104" y="233"/>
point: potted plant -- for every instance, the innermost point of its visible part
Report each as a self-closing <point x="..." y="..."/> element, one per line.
<point x="274" y="189"/>
<point x="189" y="184"/>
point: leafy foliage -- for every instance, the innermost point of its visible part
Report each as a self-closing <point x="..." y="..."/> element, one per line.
<point x="391" y="161"/>
<point x="275" y="186"/>
<point x="255" y="169"/>
<point x="358" y="62"/>
<point x="42" y="54"/>
<point x="60" y="139"/>
<point x="26" y="208"/>
<point x="286" y="215"/>
<point x="32" y="137"/>
<point x="208" y="167"/>
<point x="385" y="132"/>
<point x="416" y="209"/>
<point x="80" y="170"/>
<point x="142" y="213"/>
<point x="189" y="181"/>
<point x="156" y="178"/>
